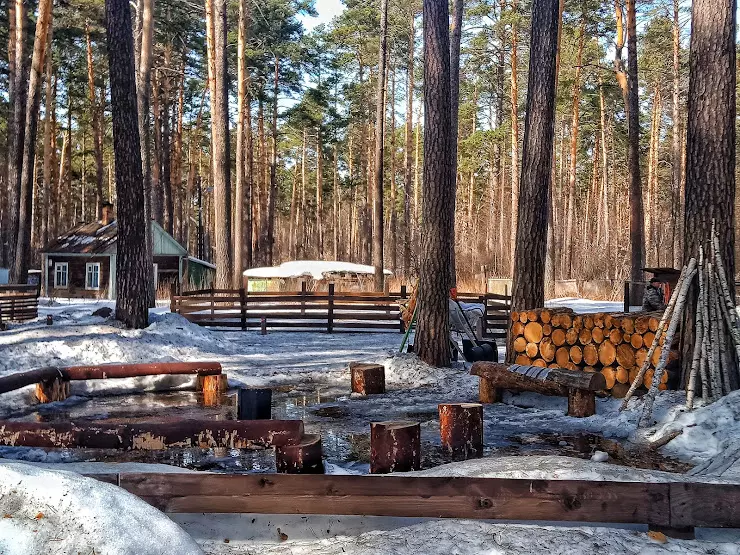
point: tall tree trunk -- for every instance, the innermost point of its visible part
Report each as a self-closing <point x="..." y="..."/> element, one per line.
<point x="379" y="139"/>
<point x="319" y="194"/>
<point x="539" y="130"/>
<point x="652" y="212"/>
<point x="407" y="150"/>
<point x="242" y="207"/>
<point x="619" y="36"/>
<point x="455" y="39"/>
<point x="604" y="176"/>
<point x="166" y="154"/>
<point x="221" y="170"/>
<point x="575" y="118"/>
<point x="710" y="144"/>
<point x="432" y="334"/>
<point x="19" y="269"/>
<point x="145" y="23"/>
<point x="637" y="220"/>
<point x="676" y="154"/>
<point x="157" y="190"/>
<point x="304" y="188"/>
<point x="177" y="154"/>
<point x="49" y="145"/>
<point x="336" y="219"/>
<point x="132" y="262"/>
<point x="273" y="192"/>
<point x="95" y="113"/>
<point x="514" y="134"/>
<point x="393" y="209"/>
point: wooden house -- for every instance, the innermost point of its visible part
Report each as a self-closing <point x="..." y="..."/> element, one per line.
<point x="81" y="263"/>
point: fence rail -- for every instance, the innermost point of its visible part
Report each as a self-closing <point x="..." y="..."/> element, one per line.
<point x="318" y="310"/>
<point x="19" y="303"/>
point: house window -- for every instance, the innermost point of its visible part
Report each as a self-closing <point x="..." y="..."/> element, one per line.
<point x="61" y="273"/>
<point x="92" y="276"/>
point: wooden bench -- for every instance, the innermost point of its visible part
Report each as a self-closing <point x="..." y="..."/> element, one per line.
<point x="579" y="387"/>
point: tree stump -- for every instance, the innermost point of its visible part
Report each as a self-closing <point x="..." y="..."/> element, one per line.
<point x="254" y="404"/>
<point x="461" y="430"/>
<point x="395" y="447"/>
<point x="218" y="383"/>
<point x="52" y="390"/>
<point x="581" y="403"/>
<point x="367" y="379"/>
<point x="487" y="393"/>
<point x="305" y="457"/>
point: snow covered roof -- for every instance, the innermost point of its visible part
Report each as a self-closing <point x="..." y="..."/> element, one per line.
<point x="89" y="238"/>
<point x="317" y="269"/>
<point x="201" y="262"/>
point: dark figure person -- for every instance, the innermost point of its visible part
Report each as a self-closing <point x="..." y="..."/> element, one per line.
<point x="653" y="298"/>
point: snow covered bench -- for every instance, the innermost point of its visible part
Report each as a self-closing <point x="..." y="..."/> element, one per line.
<point x="579" y="387"/>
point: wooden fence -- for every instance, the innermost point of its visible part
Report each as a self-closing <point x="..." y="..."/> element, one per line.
<point x="670" y="505"/>
<point x="19" y="302"/>
<point x="318" y="310"/>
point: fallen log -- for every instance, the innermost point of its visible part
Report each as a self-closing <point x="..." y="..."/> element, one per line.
<point x="231" y="434"/>
<point x="106" y="371"/>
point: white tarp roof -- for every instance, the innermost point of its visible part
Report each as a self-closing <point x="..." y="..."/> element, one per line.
<point x="317" y="269"/>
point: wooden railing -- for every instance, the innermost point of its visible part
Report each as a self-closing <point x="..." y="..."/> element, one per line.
<point x="318" y="310"/>
<point x="19" y="302"/>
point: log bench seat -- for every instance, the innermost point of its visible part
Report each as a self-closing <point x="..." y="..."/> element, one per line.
<point x="579" y="387"/>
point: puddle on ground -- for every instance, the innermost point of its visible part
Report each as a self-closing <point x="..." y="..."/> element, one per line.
<point x="326" y="410"/>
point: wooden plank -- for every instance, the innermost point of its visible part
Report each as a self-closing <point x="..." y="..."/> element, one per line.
<point x="204" y="434"/>
<point x="478" y="498"/>
<point x="18" y="287"/>
<point x="705" y="505"/>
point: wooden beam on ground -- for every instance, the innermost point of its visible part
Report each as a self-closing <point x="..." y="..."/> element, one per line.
<point x="23" y="379"/>
<point x="557" y="380"/>
<point x="242" y="434"/>
<point x="105" y="371"/>
<point x="660" y="505"/>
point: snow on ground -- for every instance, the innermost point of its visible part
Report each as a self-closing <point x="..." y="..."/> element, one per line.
<point x="63" y="512"/>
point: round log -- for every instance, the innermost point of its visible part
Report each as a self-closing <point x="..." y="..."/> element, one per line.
<point x="532" y="315"/>
<point x="532" y="350"/>
<point x="514" y="316"/>
<point x="546" y="329"/>
<point x="620" y="390"/>
<point x="555" y="383"/>
<point x="577" y="323"/>
<point x="599" y="319"/>
<point x="217" y="383"/>
<point x="626" y="337"/>
<point x="616" y="321"/>
<point x="648" y="338"/>
<point x="105" y="371"/>
<point x="589" y="369"/>
<point x="520" y="344"/>
<point x="533" y="332"/>
<point x="647" y="379"/>
<point x="581" y="404"/>
<point x="517" y="328"/>
<point x="566" y="321"/>
<point x="590" y="354"/>
<point x="636" y="340"/>
<point x="608" y="321"/>
<point x="562" y="356"/>
<point x="584" y="337"/>
<point x="487" y="393"/>
<point x="461" y="430"/>
<point x="539" y="362"/>
<point x="547" y="349"/>
<point x="625" y="355"/>
<point x="633" y="372"/>
<point x="524" y="360"/>
<point x="523" y="317"/>
<point x="545" y="316"/>
<point x="628" y="325"/>
<point x="588" y="322"/>
<point x="597" y="334"/>
<point x="576" y="354"/>
<point x="367" y="379"/>
<point x="571" y="336"/>
<point x="642" y="324"/>
<point x="571" y="366"/>
<point x="607" y="353"/>
<point x="55" y="389"/>
<point x="305" y="457"/>
<point x="558" y="337"/>
<point x="555" y="320"/>
<point x="615" y="336"/>
<point x="653" y="324"/>
<point x="622" y="374"/>
<point x="395" y="447"/>
<point x="610" y="375"/>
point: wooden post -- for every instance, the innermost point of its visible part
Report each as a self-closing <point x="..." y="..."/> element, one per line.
<point x="254" y="404"/>
<point x="461" y="429"/>
<point x="581" y="403"/>
<point x="303" y="298"/>
<point x="173" y="298"/>
<point x="305" y="457"/>
<point x="243" y="307"/>
<point x="217" y="383"/>
<point x="487" y="393"/>
<point x="263" y="325"/>
<point x="395" y="447"/>
<point x="330" y="310"/>
<point x="626" y="296"/>
<point x="401" y="323"/>
<point x="367" y="379"/>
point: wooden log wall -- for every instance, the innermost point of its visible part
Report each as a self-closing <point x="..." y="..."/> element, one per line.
<point x="615" y="344"/>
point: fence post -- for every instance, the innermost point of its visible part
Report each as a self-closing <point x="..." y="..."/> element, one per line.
<point x="243" y="307"/>
<point x="173" y="294"/>
<point x="626" y="296"/>
<point x="330" y="313"/>
<point x="303" y="299"/>
<point x="401" y="323"/>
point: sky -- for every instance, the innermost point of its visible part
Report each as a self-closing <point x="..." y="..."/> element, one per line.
<point x="326" y="9"/>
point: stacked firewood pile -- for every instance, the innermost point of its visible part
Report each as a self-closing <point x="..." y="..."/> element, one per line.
<point x="617" y="345"/>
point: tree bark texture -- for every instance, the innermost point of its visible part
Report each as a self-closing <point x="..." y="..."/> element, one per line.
<point x="537" y="159"/>
<point x="455" y="39"/>
<point x="432" y="336"/>
<point x="131" y="268"/>
<point x="379" y="141"/>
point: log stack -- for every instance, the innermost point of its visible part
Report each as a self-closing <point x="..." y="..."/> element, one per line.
<point x="615" y="344"/>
